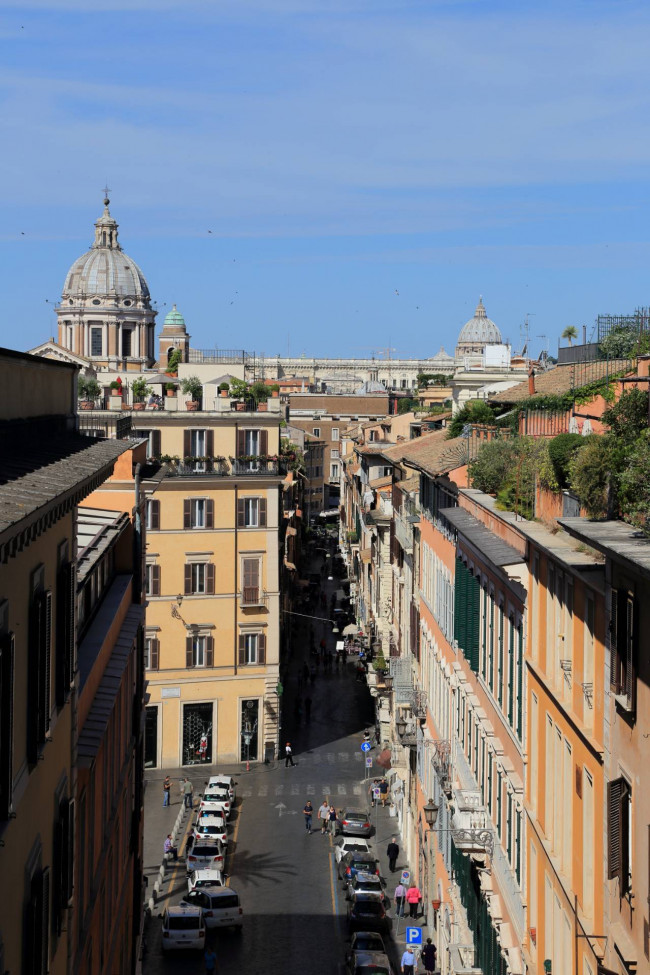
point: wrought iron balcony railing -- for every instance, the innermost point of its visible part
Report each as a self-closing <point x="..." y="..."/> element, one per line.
<point x="253" y="596"/>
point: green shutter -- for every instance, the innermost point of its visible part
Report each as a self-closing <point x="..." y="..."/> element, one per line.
<point x="512" y="657"/>
<point x="520" y="678"/>
<point x="474" y="622"/>
<point x="460" y="603"/>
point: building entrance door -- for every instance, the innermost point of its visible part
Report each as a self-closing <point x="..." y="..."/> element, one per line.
<point x="151" y="738"/>
<point x="197" y="734"/>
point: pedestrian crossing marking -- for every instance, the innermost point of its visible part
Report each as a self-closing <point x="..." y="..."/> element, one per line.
<point x="295" y="790"/>
<point x="264" y="790"/>
<point x="311" y="790"/>
<point x="247" y="793"/>
<point x="358" y="756"/>
<point x="279" y="790"/>
<point x="325" y="789"/>
<point x="331" y="757"/>
<point x="344" y="756"/>
<point x="356" y="790"/>
<point x="342" y="791"/>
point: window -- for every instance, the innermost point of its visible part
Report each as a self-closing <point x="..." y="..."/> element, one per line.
<point x="7" y="657"/>
<point x="251" y="512"/>
<point x="335" y="433"/>
<point x="623" y="647"/>
<point x="334" y="454"/>
<point x="316" y="431"/>
<point x="37" y="924"/>
<point x="152" y="515"/>
<point x="153" y="441"/>
<point x="199" y="651"/>
<point x="151" y="653"/>
<point x="619" y="829"/>
<point x="199" y="578"/>
<point x="96" y="341"/>
<point x="39" y="656"/>
<point x="62" y="863"/>
<point x="127" y="335"/>
<point x="152" y="579"/>
<point x="252" y="649"/>
<point x="334" y="472"/>
<point x="198" y="513"/>
<point x="65" y="648"/>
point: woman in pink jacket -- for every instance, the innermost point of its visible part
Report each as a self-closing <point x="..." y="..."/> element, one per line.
<point x="413" y="898"/>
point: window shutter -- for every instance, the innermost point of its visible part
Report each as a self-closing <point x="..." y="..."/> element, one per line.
<point x="45" y="920"/>
<point x="57" y="870"/>
<point x="262" y="512"/>
<point x="187" y="513"/>
<point x="188" y="579"/>
<point x="520" y="677"/>
<point x="209" y="443"/>
<point x="32" y="681"/>
<point x="155" y="443"/>
<point x="630" y="642"/>
<point x="474" y="622"/>
<point x="46" y="661"/>
<point x="242" y="649"/>
<point x="6" y="722"/>
<point x="500" y="659"/>
<point x="241" y="443"/>
<point x="614" y="834"/>
<point x="60" y="642"/>
<point x="264" y="441"/>
<point x="613" y="642"/>
<point x="155" y="515"/>
<point x="189" y="652"/>
<point x="209" y="652"/>
<point x="154" y="659"/>
<point x="71" y="622"/>
<point x="261" y="648"/>
<point x="70" y="851"/>
<point x="209" y="581"/>
<point x="209" y="513"/>
<point x="155" y="580"/>
<point x="241" y="513"/>
<point x="187" y="443"/>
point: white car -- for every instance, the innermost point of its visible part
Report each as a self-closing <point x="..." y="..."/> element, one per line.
<point x="217" y="798"/>
<point x="223" y="781"/>
<point x="350" y="844"/>
<point x="206" y="854"/>
<point x="220" y="905"/>
<point x="200" y="879"/>
<point x="183" y="927"/>
<point x="211" y="824"/>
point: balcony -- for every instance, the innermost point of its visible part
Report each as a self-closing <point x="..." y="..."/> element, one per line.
<point x="256" y="467"/>
<point x="471" y="825"/>
<point x="403" y="532"/>
<point x="463" y="960"/>
<point x="207" y="467"/>
<point x="252" y="597"/>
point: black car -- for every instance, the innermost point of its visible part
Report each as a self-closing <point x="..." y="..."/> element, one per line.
<point x="367" y="941"/>
<point x="366" y="912"/>
<point x="352" y="863"/>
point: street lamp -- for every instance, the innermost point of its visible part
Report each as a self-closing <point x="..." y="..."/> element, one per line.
<point x="430" y="814"/>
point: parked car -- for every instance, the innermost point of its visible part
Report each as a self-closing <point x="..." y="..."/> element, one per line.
<point x="183" y="927"/>
<point x="221" y="906"/>
<point x="365" y="912"/>
<point x="351" y="863"/>
<point x="350" y="844"/>
<point x="211" y="824"/>
<point x="367" y="883"/>
<point x="215" y="797"/>
<point x="367" y="941"/>
<point x="368" y="963"/>
<point x="200" y="879"/>
<point x="206" y="854"/>
<point x="355" y="822"/>
<point x="222" y="781"/>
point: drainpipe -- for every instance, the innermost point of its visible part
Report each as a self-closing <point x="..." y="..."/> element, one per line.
<point x="235" y="638"/>
<point x="137" y="537"/>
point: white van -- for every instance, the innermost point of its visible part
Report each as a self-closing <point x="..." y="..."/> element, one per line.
<point x="183" y="927"/>
<point x="220" y="905"/>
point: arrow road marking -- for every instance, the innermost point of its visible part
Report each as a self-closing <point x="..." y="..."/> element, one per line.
<point x="281" y="808"/>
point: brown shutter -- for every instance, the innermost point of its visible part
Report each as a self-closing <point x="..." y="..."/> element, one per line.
<point x="46" y="664"/>
<point x="261" y="648"/>
<point x="630" y="662"/>
<point x="155" y="515"/>
<point x="189" y="652"/>
<point x="209" y="652"/>
<point x="262" y="512"/>
<point x="188" y="579"/>
<point x="155" y="580"/>
<point x="614" y="834"/>
<point x="6" y="722"/>
<point x="209" y="513"/>
<point x="154" y="661"/>
<point x="209" y="578"/>
<point x="264" y="441"/>
<point x="242" y="649"/>
<point x="187" y="443"/>
<point x="613" y="641"/>
<point x="155" y="443"/>
<point x="187" y="513"/>
<point x="70" y="851"/>
<point x="45" y="923"/>
<point x="241" y="513"/>
<point x="241" y="443"/>
<point x="209" y="443"/>
<point x="71" y="621"/>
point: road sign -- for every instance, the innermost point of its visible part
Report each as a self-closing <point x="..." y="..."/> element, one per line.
<point x="368" y="761"/>
<point x="414" y="936"/>
<point x="365" y="746"/>
<point x="406" y="876"/>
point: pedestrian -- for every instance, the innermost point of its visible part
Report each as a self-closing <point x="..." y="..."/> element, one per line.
<point x="323" y="815"/>
<point x="428" y="957"/>
<point x="167" y="789"/>
<point x="376" y="793"/>
<point x="170" y="848"/>
<point x="398" y="897"/>
<point x="408" y="961"/>
<point x="309" y="812"/>
<point x="392" y="852"/>
<point x="383" y="791"/>
<point x="210" y="960"/>
<point x="413" y="898"/>
<point x="332" y="820"/>
<point x="308" y="707"/>
<point x="188" y="794"/>
<point x="288" y="756"/>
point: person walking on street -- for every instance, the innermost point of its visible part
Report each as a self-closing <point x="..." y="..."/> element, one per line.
<point x="398" y="897"/>
<point x="408" y="962"/>
<point x="332" y="820"/>
<point x="323" y="815"/>
<point x="309" y="812"/>
<point x="167" y="788"/>
<point x="428" y="957"/>
<point x="288" y="756"/>
<point x="392" y="852"/>
<point x="210" y="960"/>
<point x="383" y="791"/>
<point x="413" y="898"/>
<point x="188" y="794"/>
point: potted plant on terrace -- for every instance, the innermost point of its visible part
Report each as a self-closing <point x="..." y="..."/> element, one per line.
<point x="192" y="387"/>
<point x="224" y="389"/>
<point x="140" y="392"/>
<point x="170" y="389"/>
<point x="88" y="389"/>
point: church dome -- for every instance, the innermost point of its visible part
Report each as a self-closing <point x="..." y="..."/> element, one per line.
<point x="105" y="271"/>
<point x="479" y="330"/>
<point x="174" y="319"/>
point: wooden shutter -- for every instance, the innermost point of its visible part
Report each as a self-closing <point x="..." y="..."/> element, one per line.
<point x="242" y="649"/>
<point x="209" y="578"/>
<point x="251" y="579"/>
<point x="241" y="443"/>
<point x="154" y="515"/>
<point x="264" y="441"/>
<point x="261" y="648"/>
<point x="500" y="659"/>
<point x="209" y="513"/>
<point x="630" y="654"/>
<point x="71" y="622"/>
<point x="46" y="666"/>
<point x="187" y="513"/>
<point x="614" y="830"/>
<point x="473" y="621"/>
<point x="7" y="651"/>
<point x="613" y="643"/>
<point x="70" y="850"/>
<point x="155" y="443"/>
<point x="241" y="513"/>
<point x="187" y="443"/>
<point x="32" y="681"/>
<point x="154" y="654"/>
<point x="520" y="677"/>
<point x="189" y="652"/>
<point x="60" y="643"/>
<point x="460" y="603"/>
<point x="209" y="443"/>
<point x="155" y="580"/>
<point x="57" y="871"/>
<point x="188" y="579"/>
<point x="209" y="651"/>
<point x="262" y="512"/>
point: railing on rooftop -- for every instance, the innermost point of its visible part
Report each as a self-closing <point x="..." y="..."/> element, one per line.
<point x="219" y="355"/>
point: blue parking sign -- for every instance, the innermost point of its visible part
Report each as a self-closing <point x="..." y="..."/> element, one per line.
<point x="414" y="936"/>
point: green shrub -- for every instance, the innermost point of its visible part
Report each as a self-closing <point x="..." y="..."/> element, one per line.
<point x="560" y="451"/>
<point x="192" y="386"/>
<point x="474" y="411"/>
<point x="590" y="475"/>
<point x="88" y="388"/>
<point x="634" y="486"/>
<point x="493" y="465"/>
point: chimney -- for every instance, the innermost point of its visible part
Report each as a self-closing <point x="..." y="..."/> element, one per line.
<point x="584" y="334"/>
<point x="531" y="381"/>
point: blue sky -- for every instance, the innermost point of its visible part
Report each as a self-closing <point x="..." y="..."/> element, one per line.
<point x="367" y="168"/>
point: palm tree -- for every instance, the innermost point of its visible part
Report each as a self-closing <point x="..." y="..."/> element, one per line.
<point x="570" y="333"/>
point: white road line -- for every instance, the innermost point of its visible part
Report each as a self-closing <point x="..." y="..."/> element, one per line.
<point x="263" y="790"/>
<point x="310" y="790"/>
<point x="357" y="790"/>
<point x="331" y="757"/>
<point x="247" y="793"/>
<point x="342" y="791"/>
<point x="358" y="756"/>
<point x="295" y="790"/>
<point x="279" y="790"/>
<point x="325" y="789"/>
<point x="344" y="756"/>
